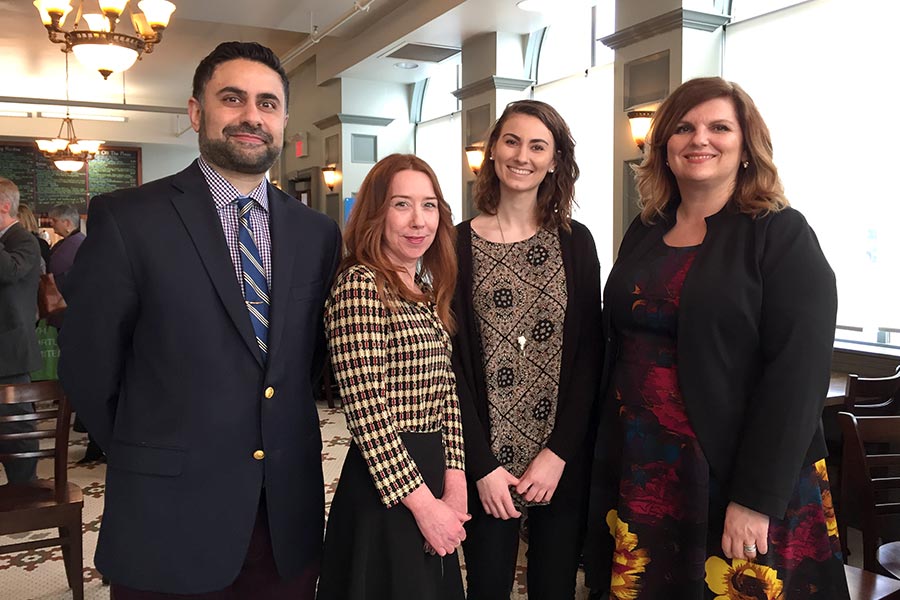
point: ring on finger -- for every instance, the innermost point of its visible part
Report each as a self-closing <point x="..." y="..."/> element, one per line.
<point x="750" y="548"/>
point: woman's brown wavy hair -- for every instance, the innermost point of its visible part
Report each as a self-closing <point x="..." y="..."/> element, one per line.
<point x="757" y="189"/>
<point x="556" y="194"/>
<point x="364" y="238"/>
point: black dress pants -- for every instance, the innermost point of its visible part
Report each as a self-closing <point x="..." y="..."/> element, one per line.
<point x="555" y="539"/>
<point x="258" y="578"/>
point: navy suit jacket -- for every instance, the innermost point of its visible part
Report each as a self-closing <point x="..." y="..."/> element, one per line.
<point x="160" y="360"/>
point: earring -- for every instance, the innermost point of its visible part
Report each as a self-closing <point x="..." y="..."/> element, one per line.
<point x="552" y="171"/>
<point x="491" y="157"/>
<point x="746" y="163"/>
<point x="667" y="163"/>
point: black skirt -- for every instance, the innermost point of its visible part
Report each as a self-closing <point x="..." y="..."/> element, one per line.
<point x="376" y="553"/>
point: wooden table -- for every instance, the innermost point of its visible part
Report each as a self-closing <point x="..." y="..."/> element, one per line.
<point x="870" y="586"/>
<point x="837" y="389"/>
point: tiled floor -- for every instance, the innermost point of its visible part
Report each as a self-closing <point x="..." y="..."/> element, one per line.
<point x="40" y="575"/>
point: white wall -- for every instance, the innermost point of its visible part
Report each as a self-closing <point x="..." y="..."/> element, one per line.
<point x="161" y="160"/>
<point x="630" y="13"/>
<point x="310" y="102"/>
<point x="374" y="99"/>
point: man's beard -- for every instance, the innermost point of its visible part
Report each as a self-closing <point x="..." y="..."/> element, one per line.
<point x="231" y="156"/>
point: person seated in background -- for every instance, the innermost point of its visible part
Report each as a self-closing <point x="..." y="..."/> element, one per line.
<point x="398" y="512"/>
<point x="66" y="223"/>
<point x="20" y="271"/>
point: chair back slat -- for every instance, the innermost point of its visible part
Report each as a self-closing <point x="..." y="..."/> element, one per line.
<point x="885" y="483"/>
<point x="40" y="434"/>
<point x="43" y="392"/>
<point x="887" y="508"/>
<point x="46" y="453"/>
<point x="38" y="415"/>
<point x="870" y="474"/>
<point x="21" y="393"/>
<point x="873" y="395"/>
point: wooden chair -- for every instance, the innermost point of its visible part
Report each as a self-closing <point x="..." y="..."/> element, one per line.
<point x="868" y="396"/>
<point x="864" y="585"/>
<point x="871" y="467"/>
<point x="44" y="504"/>
<point x="864" y="396"/>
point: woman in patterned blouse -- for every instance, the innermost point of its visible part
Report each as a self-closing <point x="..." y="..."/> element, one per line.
<point x="398" y="512"/>
<point x="526" y="357"/>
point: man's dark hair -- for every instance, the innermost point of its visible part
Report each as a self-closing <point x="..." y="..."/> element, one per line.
<point x="234" y="50"/>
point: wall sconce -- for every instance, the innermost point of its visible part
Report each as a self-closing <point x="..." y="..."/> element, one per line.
<point x="331" y="176"/>
<point x="640" y="121"/>
<point x="475" y="157"/>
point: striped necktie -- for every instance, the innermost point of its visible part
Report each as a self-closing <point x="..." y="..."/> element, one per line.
<point x="256" y="289"/>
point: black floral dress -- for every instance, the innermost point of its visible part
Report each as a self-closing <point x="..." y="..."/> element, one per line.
<point x="667" y="518"/>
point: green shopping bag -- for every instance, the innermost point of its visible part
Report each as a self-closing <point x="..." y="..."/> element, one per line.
<point x="46" y="335"/>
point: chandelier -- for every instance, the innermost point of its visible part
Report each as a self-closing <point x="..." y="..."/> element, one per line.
<point x="68" y="153"/>
<point x="97" y="44"/>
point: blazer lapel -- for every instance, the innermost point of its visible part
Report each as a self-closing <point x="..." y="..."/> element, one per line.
<point x="284" y="250"/>
<point x="195" y="205"/>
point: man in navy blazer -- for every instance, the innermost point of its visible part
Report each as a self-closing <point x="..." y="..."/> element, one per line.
<point x="214" y="480"/>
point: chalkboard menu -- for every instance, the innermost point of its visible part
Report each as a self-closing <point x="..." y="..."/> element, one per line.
<point x="42" y="185"/>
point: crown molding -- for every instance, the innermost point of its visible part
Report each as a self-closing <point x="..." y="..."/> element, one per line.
<point x="339" y="118"/>
<point x="490" y="84"/>
<point x="679" y="18"/>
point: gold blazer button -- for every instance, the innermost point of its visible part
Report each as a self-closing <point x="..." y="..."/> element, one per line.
<point x="259" y="455"/>
<point x="270" y="391"/>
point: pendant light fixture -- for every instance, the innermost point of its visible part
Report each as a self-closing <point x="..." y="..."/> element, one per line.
<point x="68" y="153"/>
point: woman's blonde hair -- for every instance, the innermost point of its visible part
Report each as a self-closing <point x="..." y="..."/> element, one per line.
<point x="27" y="218"/>
<point x="757" y="189"/>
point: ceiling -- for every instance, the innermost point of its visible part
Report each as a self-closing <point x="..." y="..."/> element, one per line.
<point x="34" y="68"/>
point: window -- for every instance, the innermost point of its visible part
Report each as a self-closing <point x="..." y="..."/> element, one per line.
<point x="566" y="46"/>
<point x="443" y="80"/>
<point x="744" y="9"/>
<point x="819" y="72"/>
<point x="439" y="131"/>
<point x="584" y="98"/>
<point x="439" y="143"/>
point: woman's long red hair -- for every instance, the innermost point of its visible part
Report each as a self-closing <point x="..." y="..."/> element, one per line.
<point x="364" y="238"/>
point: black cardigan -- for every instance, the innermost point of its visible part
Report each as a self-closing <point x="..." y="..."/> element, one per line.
<point x="755" y="336"/>
<point x="582" y="354"/>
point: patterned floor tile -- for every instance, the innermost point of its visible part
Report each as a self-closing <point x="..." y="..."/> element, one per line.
<point x="40" y="574"/>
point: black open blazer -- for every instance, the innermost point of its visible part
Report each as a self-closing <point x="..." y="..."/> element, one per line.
<point x="755" y="335"/>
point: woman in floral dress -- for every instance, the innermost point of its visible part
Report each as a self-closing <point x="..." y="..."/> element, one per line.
<point x="710" y="481"/>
